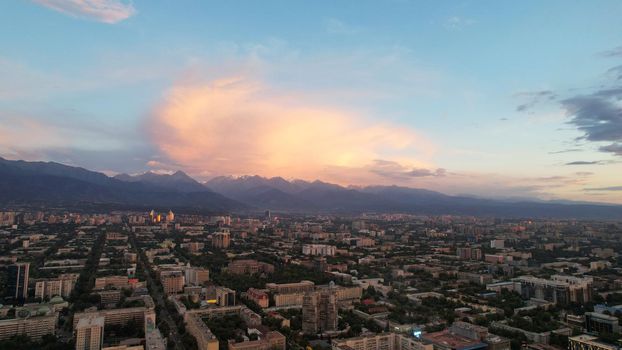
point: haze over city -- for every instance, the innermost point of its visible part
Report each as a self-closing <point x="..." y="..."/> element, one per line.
<point x="482" y="98"/>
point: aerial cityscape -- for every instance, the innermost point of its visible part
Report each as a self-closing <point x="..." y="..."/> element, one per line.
<point x="310" y="175"/>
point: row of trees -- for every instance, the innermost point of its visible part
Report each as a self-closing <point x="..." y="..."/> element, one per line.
<point x="81" y="294"/>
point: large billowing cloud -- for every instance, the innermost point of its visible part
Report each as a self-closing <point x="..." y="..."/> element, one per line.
<point x="238" y="126"/>
<point x="107" y="11"/>
<point x="241" y="127"/>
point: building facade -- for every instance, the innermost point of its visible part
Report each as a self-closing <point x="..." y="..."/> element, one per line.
<point x="89" y="333"/>
<point x="319" y="311"/>
<point x="17" y="282"/>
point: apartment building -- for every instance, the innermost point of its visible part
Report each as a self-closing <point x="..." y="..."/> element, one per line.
<point x="469" y="253"/>
<point x="89" y="333"/>
<point x="559" y="289"/>
<point x="297" y="287"/>
<point x="117" y="282"/>
<point x="588" y="342"/>
<point x="206" y="340"/>
<point x="33" y="327"/>
<point x="319" y="249"/>
<point x="383" y="341"/>
<point x="17" y="283"/>
<point x="62" y="285"/>
<point x="172" y="281"/>
<point x="249" y="267"/>
<point x="319" y="311"/>
<point x="259" y="296"/>
<point x="596" y="323"/>
<point x="271" y="341"/>
<point x="115" y="316"/>
<point x="196" y="276"/>
<point x="221" y="240"/>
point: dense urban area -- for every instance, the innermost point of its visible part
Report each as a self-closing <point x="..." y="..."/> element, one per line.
<point x="157" y="280"/>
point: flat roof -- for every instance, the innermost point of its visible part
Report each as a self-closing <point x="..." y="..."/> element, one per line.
<point x="454" y="341"/>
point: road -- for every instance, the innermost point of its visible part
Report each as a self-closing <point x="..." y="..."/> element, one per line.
<point x="158" y="297"/>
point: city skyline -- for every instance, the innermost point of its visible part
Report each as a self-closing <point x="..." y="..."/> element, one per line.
<point x="468" y="97"/>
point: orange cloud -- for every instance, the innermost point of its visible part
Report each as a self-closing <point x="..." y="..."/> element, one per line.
<point x="236" y="126"/>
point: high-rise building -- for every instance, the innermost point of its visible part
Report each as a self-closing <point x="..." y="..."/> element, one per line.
<point x="319" y="311"/>
<point x="196" y="276"/>
<point x="170" y="217"/>
<point x="559" y="289"/>
<point x="172" y="281"/>
<point x="310" y="310"/>
<point x="18" y="280"/>
<point x="225" y="296"/>
<point x="62" y="285"/>
<point x="497" y="244"/>
<point x="90" y="333"/>
<point x="468" y="253"/>
<point x="221" y="240"/>
<point x="328" y="310"/>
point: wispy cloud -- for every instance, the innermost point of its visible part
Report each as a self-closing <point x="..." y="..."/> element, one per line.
<point x="583" y="162"/>
<point x="394" y="171"/>
<point x="569" y="150"/>
<point x="106" y="11"/>
<point x="605" y="189"/>
<point x="458" y="23"/>
<point x="615" y="52"/>
<point x="532" y="98"/>
<point x="337" y="26"/>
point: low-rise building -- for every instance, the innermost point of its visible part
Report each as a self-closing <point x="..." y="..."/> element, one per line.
<point x="600" y="323"/>
<point x="260" y="297"/>
<point x="383" y="341"/>
<point x="206" y="340"/>
<point x="271" y="341"/>
<point x="588" y="342"/>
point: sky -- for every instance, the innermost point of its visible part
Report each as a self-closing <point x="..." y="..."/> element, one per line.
<point x="501" y="99"/>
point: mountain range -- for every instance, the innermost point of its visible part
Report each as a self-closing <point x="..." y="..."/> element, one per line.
<point x="50" y="184"/>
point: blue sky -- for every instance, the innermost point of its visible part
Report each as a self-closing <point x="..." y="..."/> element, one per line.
<point x="491" y="98"/>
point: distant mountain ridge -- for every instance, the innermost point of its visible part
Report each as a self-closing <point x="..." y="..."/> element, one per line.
<point x="178" y="181"/>
<point x="300" y="195"/>
<point x="55" y="184"/>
